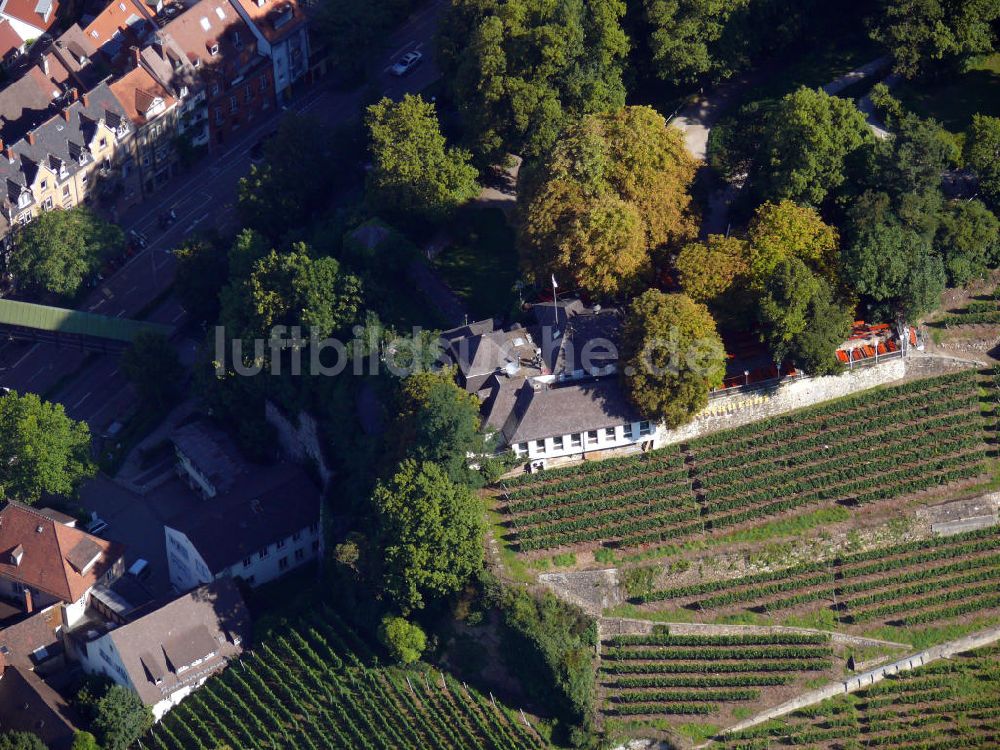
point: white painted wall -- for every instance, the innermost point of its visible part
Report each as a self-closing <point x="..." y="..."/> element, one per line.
<point x="584" y="442"/>
<point x="188" y="568"/>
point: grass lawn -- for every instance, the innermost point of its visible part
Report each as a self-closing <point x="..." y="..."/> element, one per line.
<point x="954" y="100"/>
<point x="481" y="266"/>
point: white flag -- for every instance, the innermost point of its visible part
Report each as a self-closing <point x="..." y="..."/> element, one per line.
<point x="554" y="284"/>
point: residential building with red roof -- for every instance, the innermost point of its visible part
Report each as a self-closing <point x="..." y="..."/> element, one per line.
<point x="282" y="34"/>
<point x="153" y="111"/>
<point x="30" y="18"/>
<point x="237" y="77"/>
<point x="121" y="25"/>
<point x="44" y="562"/>
<point x="12" y="44"/>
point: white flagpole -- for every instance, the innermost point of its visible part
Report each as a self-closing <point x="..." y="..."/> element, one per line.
<point x="555" y="307"/>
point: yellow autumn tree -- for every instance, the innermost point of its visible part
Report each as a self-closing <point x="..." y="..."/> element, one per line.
<point x="707" y="269"/>
<point x="615" y="187"/>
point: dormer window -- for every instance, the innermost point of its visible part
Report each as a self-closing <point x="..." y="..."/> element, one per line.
<point x="16" y="555"/>
<point x="213" y="49"/>
<point x="23" y="199"/>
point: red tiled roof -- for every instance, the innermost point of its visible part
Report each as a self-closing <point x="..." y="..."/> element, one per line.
<point x="208" y="22"/>
<point x="24" y="10"/>
<point x="137" y="90"/>
<point x="113" y="19"/>
<point x="9" y="39"/>
<point x="276" y="19"/>
<point x="48" y="548"/>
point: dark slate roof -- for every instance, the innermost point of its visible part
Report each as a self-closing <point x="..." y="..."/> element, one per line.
<point x="65" y="137"/>
<point x="587" y="341"/>
<point x="542" y="411"/>
<point x="263" y="506"/>
<point x="547" y="314"/>
<point x="211" y="451"/>
<point x="191" y="627"/>
<point x="27" y="704"/>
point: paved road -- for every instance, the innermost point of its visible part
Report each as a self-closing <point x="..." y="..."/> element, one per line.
<point x="205" y="197"/>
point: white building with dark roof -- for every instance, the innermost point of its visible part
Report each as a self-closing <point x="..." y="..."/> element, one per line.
<point x="550" y="391"/>
<point x="169" y="652"/>
<point x="254" y="523"/>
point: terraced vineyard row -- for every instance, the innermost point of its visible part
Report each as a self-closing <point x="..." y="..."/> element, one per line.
<point x="308" y="688"/>
<point x="906" y="584"/>
<point x="663" y="674"/>
<point x="858" y="450"/>
<point x="976" y="312"/>
<point x="954" y="704"/>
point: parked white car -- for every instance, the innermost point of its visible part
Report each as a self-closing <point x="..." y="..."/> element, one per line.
<point x="406" y="63"/>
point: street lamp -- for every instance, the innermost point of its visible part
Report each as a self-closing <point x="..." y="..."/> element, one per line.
<point x="746" y="377"/>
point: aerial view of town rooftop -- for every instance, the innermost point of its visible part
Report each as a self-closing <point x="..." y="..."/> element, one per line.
<point x="499" y="374"/>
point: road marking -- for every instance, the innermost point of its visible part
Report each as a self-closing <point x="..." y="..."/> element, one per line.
<point x="120" y="313"/>
<point x="132" y="289"/>
<point x="24" y="357"/>
<point x="178" y="316"/>
<point x="78" y="403"/>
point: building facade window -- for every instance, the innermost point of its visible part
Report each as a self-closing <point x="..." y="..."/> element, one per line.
<point x="609" y="433"/>
<point x="283" y="563"/>
<point x="557" y="443"/>
<point x="540" y="446"/>
<point x="247" y="562"/>
<point x="300" y="554"/>
<point x="576" y="440"/>
<point x="280" y="543"/>
<point x="233" y="104"/>
<point x="262" y="554"/>
<point x="645" y="428"/>
<point x="296" y="536"/>
<point x="591" y="437"/>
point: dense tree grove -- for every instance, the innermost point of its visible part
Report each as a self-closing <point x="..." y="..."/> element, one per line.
<point x="922" y="33"/>
<point x="520" y="71"/>
<point x="612" y="191"/>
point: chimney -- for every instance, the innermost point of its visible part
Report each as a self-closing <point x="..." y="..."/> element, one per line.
<point x="29" y="605"/>
<point x="136" y="56"/>
<point x="45" y="64"/>
<point x="74" y="94"/>
<point x="65" y="113"/>
<point x="31" y="138"/>
<point x="85" y="99"/>
<point x="9" y="153"/>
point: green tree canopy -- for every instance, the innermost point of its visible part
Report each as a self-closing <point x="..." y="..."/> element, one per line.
<point x="21" y="741"/>
<point x="438" y="422"/>
<point x="615" y="187"/>
<point x="61" y="249"/>
<point x="968" y="240"/>
<point x="302" y="165"/>
<point x="414" y="173"/>
<point x="41" y="449"/>
<point x="121" y="718"/>
<point x="404" y="640"/>
<point x="920" y="33"/>
<point x="916" y="156"/>
<point x="84" y="741"/>
<point x="785" y="230"/>
<point x="672" y="354"/>
<point x="799" y="318"/>
<point x="519" y="71"/>
<point x="801" y="148"/>
<point x="982" y="154"/>
<point x="152" y="365"/>
<point x="685" y="36"/>
<point x="708" y="269"/>
<point x="888" y="260"/>
<point x="291" y="288"/>
<point x="432" y="531"/>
